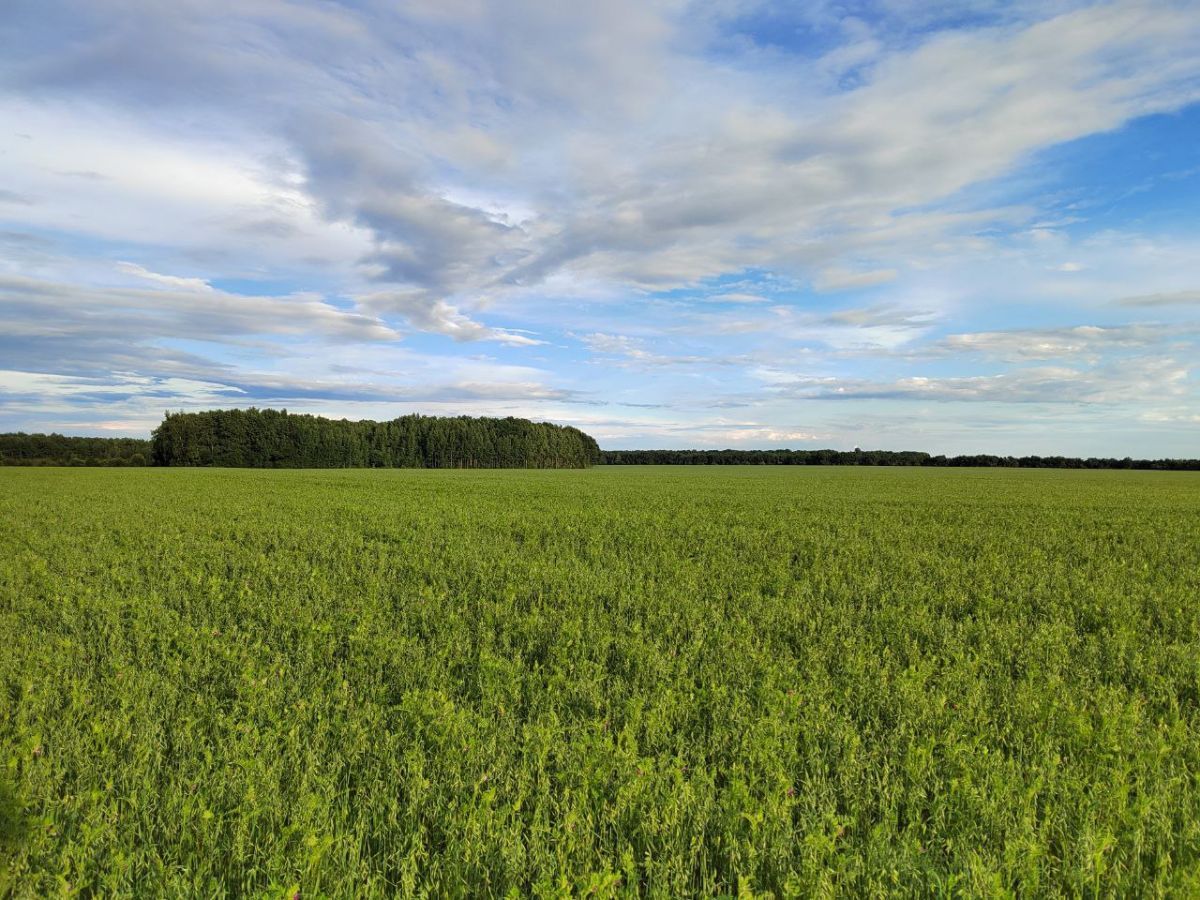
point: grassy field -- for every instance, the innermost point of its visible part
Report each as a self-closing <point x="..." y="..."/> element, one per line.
<point x="673" y="681"/>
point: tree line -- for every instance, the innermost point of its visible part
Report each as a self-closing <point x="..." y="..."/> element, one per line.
<point x="878" y="458"/>
<point x="277" y="439"/>
<point x="22" y="449"/>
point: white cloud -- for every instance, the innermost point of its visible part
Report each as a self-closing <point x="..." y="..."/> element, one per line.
<point x="36" y="309"/>
<point x="175" y="281"/>
<point x="225" y="203"/>
<point x="837" y="279"/>
<point x="440" y="317"/>
<point x="1172" y="298"/>
<point x="721" y="172"/>
<point x="768" y="435"/>
<point x="736" y="297"/>
<point x="1052" y="343"/>
<point x="1141" y="379"/>
<point x="50" y="387"/>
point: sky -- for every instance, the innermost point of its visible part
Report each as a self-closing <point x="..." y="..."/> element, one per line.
<point x="904" y="224"/>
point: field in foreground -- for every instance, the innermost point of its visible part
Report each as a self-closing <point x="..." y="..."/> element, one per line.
<point x="654" y="681"/>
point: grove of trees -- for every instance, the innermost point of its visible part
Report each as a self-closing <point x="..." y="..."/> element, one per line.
<point x="267" y="438"/>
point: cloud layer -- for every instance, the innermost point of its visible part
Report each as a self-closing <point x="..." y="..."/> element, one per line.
<point x="847" y="216"/>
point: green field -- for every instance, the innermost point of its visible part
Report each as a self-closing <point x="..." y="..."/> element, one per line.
<point x="620" y="681"/>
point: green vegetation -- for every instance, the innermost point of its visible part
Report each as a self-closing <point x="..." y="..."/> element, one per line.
<point x="617" y="681"/>
<point x="12" y="830"/>
<point x="273" y="439"/>
<point x="857" y="457"/>
<point x="21" y="449"/>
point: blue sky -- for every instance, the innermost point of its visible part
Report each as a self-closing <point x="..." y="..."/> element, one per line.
<point x="957" y="227"/>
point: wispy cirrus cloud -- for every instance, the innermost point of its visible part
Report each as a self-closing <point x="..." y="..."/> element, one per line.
<point x="1166" y="298"/>
<point x="1130" y="380"/>
<point x="176" y="307"/>
<point x="1057" y="343"/>
<point x="837" y="279"/>
<point x="631" y="351"/>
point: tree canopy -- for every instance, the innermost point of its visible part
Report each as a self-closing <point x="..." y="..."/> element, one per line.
<point x="266" y="438"/>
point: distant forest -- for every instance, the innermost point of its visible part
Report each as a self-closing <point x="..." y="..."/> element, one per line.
<point x="22" y="449"/>
<point x="277" y="439"/>
<point x="877" y="458"/>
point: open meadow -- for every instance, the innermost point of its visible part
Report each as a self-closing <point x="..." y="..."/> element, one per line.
<point x="620" y="681"/>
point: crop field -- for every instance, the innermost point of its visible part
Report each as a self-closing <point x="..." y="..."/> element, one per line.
<point x="613" y="682"/>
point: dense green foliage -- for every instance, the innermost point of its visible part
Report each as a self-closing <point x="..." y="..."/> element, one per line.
<point x="275" y="439"/>
<point x="859" y="457"/>
<point x="619" y="681"/>
<point x="12" y="830"/>
<point x="267" y="438"/>
<point x="20" y="449"/>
